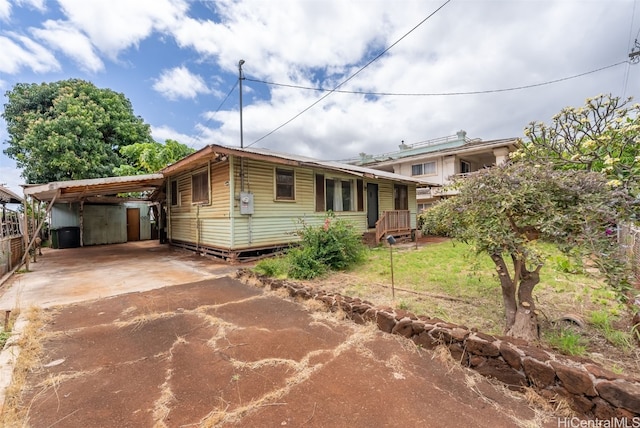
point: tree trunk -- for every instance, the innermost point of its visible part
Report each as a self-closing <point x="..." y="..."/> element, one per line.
<point x="508" y="290"/>
<point x="526" y="323"/>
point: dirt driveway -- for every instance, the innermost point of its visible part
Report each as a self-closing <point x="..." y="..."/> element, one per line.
<point x="189" y="346"/>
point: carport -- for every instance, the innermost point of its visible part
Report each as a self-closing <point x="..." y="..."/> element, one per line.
<point x="108" y="190"/>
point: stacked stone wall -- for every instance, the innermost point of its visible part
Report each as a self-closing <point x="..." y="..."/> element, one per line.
<point x="589" y="389"/>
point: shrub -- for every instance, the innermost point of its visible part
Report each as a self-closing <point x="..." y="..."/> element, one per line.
<point x="333" y="246"/>
<point x="303" y="264"/>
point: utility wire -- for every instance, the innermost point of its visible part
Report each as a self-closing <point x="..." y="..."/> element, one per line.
<point x="194" y="140"/>
<point x="435" y="94"/>
<point x="352" y="76"/>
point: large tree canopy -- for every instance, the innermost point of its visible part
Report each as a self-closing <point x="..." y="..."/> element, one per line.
<point x="147" y="158"/>
<point x="504" y="210"/>
<point x="69" y="130"/>
<point x="603" y="135"/>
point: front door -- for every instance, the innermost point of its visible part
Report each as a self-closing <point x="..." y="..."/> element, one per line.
<point x="133" y="224"/>
<point x="372" y="205"/>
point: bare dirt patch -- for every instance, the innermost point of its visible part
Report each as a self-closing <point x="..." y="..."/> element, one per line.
<point x="221" y="353"/>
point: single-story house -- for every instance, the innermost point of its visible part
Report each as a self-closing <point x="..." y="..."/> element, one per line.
<point x="240" y="203"/>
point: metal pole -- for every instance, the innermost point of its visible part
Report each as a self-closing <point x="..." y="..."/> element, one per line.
<point x="393" y="291"/>
<point x="240" y="78"/>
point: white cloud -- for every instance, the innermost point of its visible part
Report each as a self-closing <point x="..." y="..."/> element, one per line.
<point x="163" y="133"/>
<point x="115" y="25"/>
<point x="179" y="82"/>
<point x="5" y="10"/>
<point x="11" y="179"/>
<point x="15" y="56"/>
<point x="62" y="36"/>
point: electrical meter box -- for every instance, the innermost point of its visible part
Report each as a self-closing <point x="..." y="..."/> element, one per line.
<point x="246" y="203"/>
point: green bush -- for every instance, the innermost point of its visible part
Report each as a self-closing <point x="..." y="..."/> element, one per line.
<point x="273" y="266"/>
<point x="303" y="264"/>
<point x="333" y="246"/>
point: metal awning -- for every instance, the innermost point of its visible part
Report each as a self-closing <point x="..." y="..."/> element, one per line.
<point x="8" y="197"/>
<point x="95" y="189"/>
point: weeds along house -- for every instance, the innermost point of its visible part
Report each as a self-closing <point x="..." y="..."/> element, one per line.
<point x="439" y="160"/>
<point x="242" y="203"/>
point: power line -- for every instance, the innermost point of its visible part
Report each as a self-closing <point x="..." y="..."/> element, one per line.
<point x="352" y="76"/>
<point x="200" y="134"/>
<point x="435" y="94"/>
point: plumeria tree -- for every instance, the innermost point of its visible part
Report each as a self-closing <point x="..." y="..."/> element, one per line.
<point x="603" y="135"/>
<point x="505" y="210"/>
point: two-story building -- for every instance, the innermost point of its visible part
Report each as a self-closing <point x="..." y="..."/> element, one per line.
<point x="437" y="161"/>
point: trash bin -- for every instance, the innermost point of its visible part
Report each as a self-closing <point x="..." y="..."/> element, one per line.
<point x="69" y="237"/>
<point x="54" y="238"/>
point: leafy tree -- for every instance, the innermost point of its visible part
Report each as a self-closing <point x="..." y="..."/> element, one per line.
<point x="69" y="130"/>
<point x="603" y="135"/>
<point x="504" y="210"/>
<point x="148" y="158"/>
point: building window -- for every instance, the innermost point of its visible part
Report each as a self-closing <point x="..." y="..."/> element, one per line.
<point x="424" y="207"/>
<point x="334" y="194"/>
<point x="174" y="193"/>
<point x="465" y="167"/>
<point x="427" y="168"/>
<point x="401" y="197"/>
<point x="200" y="187"/>
<point x="285" y="189"/>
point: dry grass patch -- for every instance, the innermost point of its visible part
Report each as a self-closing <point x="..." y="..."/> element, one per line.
<point x="14" y="412"/>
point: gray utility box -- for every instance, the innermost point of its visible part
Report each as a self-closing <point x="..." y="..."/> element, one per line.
<point x="246" y="203"/>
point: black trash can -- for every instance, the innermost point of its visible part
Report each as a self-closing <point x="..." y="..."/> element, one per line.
<point x="54" y="238"/>
<point x="69" y="237"/>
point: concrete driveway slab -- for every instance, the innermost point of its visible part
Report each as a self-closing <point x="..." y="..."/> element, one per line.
<point x="203" y="349"/>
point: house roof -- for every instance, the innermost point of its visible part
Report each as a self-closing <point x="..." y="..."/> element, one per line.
<point x="286" y="159"/>
<point x="94" y="189"/>
<point x="8" y="197"/>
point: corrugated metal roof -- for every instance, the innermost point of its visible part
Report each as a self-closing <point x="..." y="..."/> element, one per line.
<point x="94" y="188"/>
<point x="8" y="197"/>
<point x="291" y="159"/>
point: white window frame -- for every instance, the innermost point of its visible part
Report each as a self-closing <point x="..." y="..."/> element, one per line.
<point x="338" y="186"/>
<point x="423" y="168"/>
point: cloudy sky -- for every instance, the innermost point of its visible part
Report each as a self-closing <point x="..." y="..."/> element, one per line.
<point x="448" y="65"/>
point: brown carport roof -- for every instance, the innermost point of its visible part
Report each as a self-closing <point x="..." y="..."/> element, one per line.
<point x="94" y="189"/>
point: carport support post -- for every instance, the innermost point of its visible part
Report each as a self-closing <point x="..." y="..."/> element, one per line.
<point x="81" y="222"/>
<point x="25" y="233"/>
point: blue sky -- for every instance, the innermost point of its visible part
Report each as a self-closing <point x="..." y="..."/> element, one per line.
<point x="177" y="60"/>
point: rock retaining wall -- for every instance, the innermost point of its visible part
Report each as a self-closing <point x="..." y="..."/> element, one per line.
<point x="589" y="389"/>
